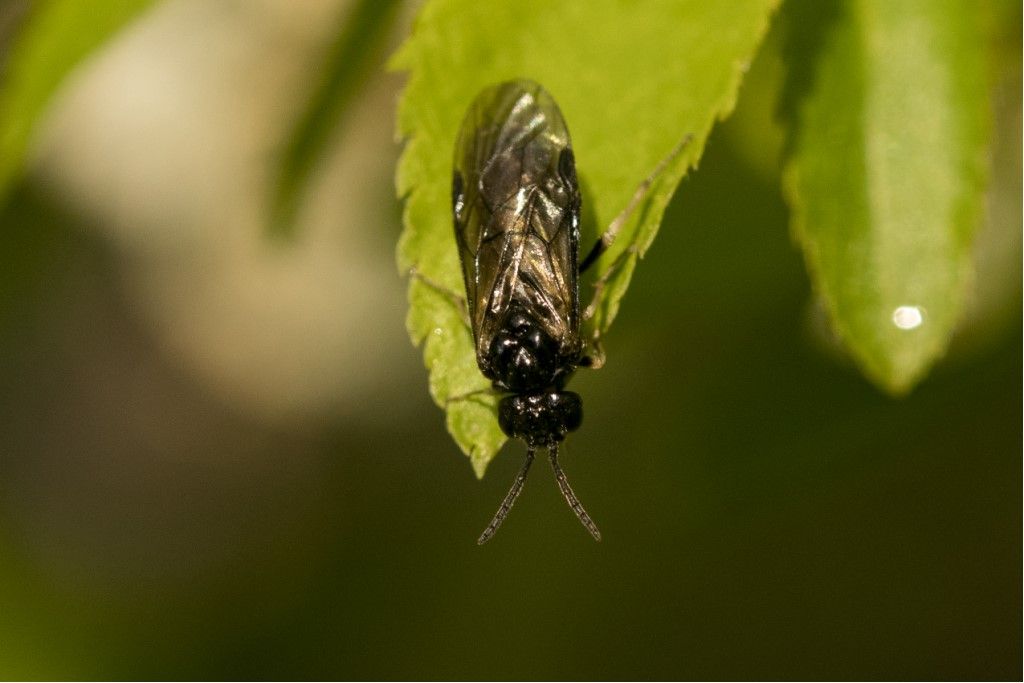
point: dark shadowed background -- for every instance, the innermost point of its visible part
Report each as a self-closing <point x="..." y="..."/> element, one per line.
<point x="218" y="457"/>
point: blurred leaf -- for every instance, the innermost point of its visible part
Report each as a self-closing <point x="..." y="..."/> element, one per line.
<point x="56" y="36"/>
<point x="359" y="47"/>
<point x="632" y="79"/>
<point x="886" y="170"/>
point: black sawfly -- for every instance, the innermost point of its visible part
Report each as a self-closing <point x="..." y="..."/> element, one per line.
<point x="516" y="207"/>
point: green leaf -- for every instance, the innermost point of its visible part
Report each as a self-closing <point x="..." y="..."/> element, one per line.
<point x="358" y="48"/>
<point x="888" y="108"/>
<point x="632" y="79"/>
<point x="56" y="36"/>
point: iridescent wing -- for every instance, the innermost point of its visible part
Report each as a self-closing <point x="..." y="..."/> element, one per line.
<point x="516" y="202"/>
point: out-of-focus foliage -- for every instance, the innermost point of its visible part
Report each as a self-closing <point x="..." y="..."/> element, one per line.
<point x="889" y="121"/>
<point x="57" y="35"/>
<point x="358" y="48"/>
<point x="631" y="81"/>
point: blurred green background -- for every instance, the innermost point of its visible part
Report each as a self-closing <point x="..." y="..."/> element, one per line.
<point x="219" y="459"/>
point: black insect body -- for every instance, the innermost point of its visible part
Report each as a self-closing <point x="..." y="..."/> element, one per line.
<point x="516" y="203"/>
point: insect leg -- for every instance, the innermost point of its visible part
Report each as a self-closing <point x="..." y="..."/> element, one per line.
<point x="570" y="497"/>
<point x="510" y="497"/>
<point x="602" y="282"/>
<point x="594" y="355"/>
<point x="615" y="226"/>
<point x="456" y="300"/>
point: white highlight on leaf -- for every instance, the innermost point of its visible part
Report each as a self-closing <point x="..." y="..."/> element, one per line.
<point x="908" y="317"/>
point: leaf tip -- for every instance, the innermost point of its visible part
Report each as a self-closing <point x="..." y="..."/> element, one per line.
<point x="479" y="464"/>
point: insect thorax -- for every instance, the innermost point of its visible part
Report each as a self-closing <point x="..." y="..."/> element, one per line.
<point x="523" y="357"/>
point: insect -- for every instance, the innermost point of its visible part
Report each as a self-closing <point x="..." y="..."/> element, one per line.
<point x="516" y="203"/>
<point x="516" y="207"/>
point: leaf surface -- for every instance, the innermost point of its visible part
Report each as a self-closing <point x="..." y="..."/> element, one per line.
<point x="632" y="78"/>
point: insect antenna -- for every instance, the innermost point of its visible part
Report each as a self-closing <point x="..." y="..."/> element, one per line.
<point x="570" y="497"/>
<point x="506" y="505"/>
